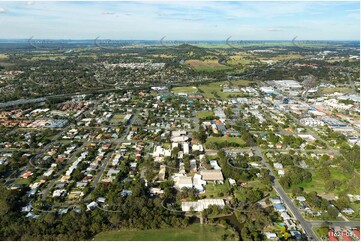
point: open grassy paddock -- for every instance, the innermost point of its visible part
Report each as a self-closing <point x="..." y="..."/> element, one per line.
<point x="190" y="89"/>
<point x="210" y="89"/>
<point x="117" y="118"/>
<point x="337" y="89"/>
<point x="192" y="232"/>
<point x="204" y="114"/>
<point x="207" y="65"/>
<point x="237" y="140"/>
<point x="318" y="182"/>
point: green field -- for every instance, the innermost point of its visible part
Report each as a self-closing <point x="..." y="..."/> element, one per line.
<point x="211" y="68"/>
<point x="215" y="87"/>
<point x="117" y="118"/>
<point x="237" y="140"/>
<point x="192" y="232"/>
<point x="338" y="89"/>
<point x="214" y="190"/>
<point x="185" y="89"/>
<point x="318" y="182"/>
<point x="23" y="181"/>
<point x="321" y="232"/>
<point x="206" y="65"/>
<point x="204" y="114"/>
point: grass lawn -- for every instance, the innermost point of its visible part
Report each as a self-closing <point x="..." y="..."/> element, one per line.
<point x="117" y="118"/>
<point x="356" y="215"/>
<point x="237" y="140"/>
<point x="204" y="114"/>
<point x="318" y="182"/>
<point x="216" y="87"/>
<point x="321" y="232"/>
<point x="257" y="184"/>
<point x="215" y="189"/>
<point x="211" y="87"/>
<point x="337" y="89"/>
<point x="185" y="89"/>
<point x="23" y="181"/>
<point x="192" y="232"/>
<point x="238" y="60"/>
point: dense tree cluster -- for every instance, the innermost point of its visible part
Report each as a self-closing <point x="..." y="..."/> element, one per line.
<point x="295" y="176"/>
<point x="137" y="211"/>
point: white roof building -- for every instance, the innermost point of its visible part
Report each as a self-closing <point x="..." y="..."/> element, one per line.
<point x="232" y="182"/>
<point x="198" y="183"/>
<point x="215" y="165"/>
<point x="270" y="235"/>
<point x="183" y="182"/>
<point x="200" y="205"/>
<point x="186" y="148"/>
<point x="58" y="193"/>
<point x="197" y="147"/>
<point x="278" y="165"/>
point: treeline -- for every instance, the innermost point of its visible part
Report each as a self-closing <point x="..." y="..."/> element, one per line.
<point x="295" y="176"/>
<point x="231" y="172"/>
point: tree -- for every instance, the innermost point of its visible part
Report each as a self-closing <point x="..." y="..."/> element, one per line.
<point x="332" y="212"/>
<point x="325" y="173"/>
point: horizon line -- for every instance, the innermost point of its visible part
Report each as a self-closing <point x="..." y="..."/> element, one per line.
<point x="167" y="40"/>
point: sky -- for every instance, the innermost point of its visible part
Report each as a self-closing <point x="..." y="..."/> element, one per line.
<point x="188" y="20"/>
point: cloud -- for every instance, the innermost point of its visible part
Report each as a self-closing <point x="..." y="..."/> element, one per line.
<point x="353" y="10"/>
<point x="181" y="20"/>
<point x="108" y="13"/>
<point x="193" y="19"/>
<point x="274" y="30"/>
<point x="30" y="3"/>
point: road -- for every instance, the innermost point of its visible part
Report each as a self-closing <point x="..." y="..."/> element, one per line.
<point x="335" y="223"/>
<point x="196" y="121"/>
<point x="100" y="174"/>
<point x="105" y="164"/>
<point x="60" y="172"/>
<point x="307" y="227"/>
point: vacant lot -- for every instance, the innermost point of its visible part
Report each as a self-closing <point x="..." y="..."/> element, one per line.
<point x="205" y="114"/>
<point x="192" y="232"/>
<point x="117" y="118"/>
<point x="339" y="89"/>
<point x="185" y="89"/>
<point x="237" y="140"/>
<point x="215" y="88"/>
<point x="238" y="60"/>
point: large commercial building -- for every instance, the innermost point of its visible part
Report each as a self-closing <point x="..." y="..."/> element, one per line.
<point x="200" y="205"/>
